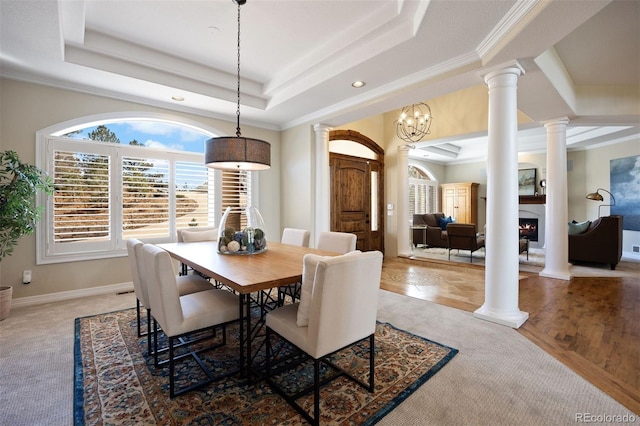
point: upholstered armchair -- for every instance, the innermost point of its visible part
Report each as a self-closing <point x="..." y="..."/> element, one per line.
<point x="463" y="236"/>
<point x="600" y="243"/>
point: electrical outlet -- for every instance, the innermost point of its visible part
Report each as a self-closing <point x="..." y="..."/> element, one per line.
<point x="635" y="249"/>
<point x="26" y="276"/>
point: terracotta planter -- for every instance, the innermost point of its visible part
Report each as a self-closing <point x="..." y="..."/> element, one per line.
<point x="5" y="301"/>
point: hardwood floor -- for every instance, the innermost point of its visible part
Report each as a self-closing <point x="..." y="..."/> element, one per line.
<point x="591" y="324"/>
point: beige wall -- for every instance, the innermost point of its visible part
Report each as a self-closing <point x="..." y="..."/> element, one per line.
<point x="287" y="196"/>
<point x="297" y="178"/>
<point x="26" y="108"/>
<point x="460" y="113"/>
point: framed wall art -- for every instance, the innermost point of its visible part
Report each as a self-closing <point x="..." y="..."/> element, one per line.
<point x="625" y="186"/>
<point x="527" y="182"/>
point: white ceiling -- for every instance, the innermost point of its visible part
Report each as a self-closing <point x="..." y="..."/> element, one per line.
<point x="299" y="58"/>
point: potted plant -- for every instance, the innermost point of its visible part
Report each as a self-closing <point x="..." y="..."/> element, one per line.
<point x="19" y="183"/>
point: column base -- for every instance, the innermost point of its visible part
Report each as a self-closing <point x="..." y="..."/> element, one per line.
<point x="513" y="320"/>
<point x="405" y="253"/>
<point x="560" y="275"/>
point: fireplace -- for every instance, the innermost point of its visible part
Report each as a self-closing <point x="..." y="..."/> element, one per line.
<point x="532" y="223"/>
<point x="529" y="228"/>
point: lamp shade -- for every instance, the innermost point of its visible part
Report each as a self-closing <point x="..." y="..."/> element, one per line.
<point x="237" y="153"/>
<point x="594" y="196"/>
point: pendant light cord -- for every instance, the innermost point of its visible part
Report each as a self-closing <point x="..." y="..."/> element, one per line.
<point x="238" y="133"/>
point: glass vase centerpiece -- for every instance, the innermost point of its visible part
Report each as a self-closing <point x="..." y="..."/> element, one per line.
<point x="234" y="240"/>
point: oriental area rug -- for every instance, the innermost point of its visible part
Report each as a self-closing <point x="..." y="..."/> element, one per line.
<point x="116" y="382"/>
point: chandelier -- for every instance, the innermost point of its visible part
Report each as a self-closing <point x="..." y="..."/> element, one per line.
<point x="237" y="153"/>
<point x="414" y="122"/>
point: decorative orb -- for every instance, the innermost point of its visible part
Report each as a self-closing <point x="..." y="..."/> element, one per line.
<point x="233" y="246"/>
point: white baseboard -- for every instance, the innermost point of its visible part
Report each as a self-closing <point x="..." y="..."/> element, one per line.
<point x="630" y="256"/>
<point x="73" y="294"/>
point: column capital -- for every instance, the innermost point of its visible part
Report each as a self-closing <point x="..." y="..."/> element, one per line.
<point x="320" y="127"/>
<point x="556" y="121"/>
<point x="404" y="149"/>
<point x="511" y="67"/>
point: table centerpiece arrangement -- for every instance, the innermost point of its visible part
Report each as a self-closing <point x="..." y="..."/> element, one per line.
<point x="249" y="240"/>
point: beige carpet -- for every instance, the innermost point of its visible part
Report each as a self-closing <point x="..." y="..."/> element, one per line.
<point x="498" y="377"/>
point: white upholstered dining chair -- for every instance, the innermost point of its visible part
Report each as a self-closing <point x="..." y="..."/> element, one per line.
<point x="185" y="284"/>
<point x="197" y="233"/>
<point x="179" y="316"/>
<point x="339" y="310"/>
<point x="194" y="234"/>
<point x="339" y="242"/>
<point x="296" y="237"/>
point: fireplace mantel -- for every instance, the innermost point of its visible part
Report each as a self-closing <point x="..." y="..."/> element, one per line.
<point x="533" y="199"/>
<point x="529" y="199"/>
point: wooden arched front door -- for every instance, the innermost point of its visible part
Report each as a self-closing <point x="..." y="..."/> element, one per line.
<point x="357" y="191"/>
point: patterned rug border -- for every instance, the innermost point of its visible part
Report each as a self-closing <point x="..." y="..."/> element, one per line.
<point x="78" y="391"/>
<point x="415" y="385"/>
<point x="78" y="375"/>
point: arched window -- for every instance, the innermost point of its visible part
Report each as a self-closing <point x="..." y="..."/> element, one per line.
<point x="121" y="177"/>
<point x="423" y="192"/>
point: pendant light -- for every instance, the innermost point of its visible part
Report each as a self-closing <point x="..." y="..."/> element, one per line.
<point x="414" y="122"/>
<point x="237" y="153"/>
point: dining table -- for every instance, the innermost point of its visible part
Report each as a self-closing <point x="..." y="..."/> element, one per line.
<point x="252" y="277"/>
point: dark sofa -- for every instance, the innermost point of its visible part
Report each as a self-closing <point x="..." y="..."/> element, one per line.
<point x="600" y="243"/>
<point x="435" y="236"/>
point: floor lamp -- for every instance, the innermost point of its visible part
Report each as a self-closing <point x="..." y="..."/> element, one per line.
<point x="596" y="196"/>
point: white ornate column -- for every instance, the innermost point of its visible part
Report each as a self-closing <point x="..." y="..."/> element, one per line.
<point x="501" y="265"/>
<point x="322" y="184"/>
<point x="556" y="241"/>
<point x="402" y="220"/>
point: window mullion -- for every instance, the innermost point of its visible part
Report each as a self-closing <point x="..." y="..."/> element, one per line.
<point x="117" y="241"/>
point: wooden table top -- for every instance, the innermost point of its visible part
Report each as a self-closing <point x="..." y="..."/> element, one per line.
<point x="280" y="265"/>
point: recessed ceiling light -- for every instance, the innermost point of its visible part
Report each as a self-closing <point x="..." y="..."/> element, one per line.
<point x="358" y="84"/>
<point x="177" y="98"/>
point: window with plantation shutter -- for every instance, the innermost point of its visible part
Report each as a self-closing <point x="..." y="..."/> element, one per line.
<point x="236" y="193"/>
<point x="423" y="193"/>
<point x="145" y="197"/>
<point x="81" y="210"/>
<point x="106" y="193"/>
<point x="196" y="202"/>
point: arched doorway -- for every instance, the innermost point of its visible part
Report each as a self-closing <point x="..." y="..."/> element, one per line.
<point x="357" y="188"/>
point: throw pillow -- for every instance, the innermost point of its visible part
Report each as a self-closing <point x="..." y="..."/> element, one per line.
<point x="193" y="236"/>
<point x="309" y="263"/>
<point x="443" y="221"/>
<point x="578" y="228"/>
